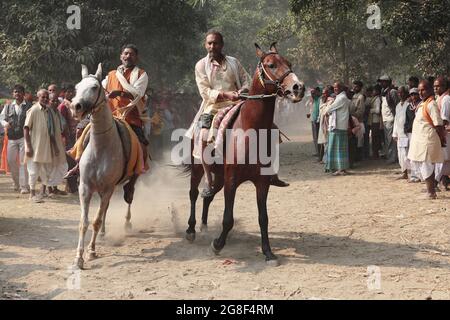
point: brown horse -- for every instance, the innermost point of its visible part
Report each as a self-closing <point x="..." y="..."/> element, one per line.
<point x="273" y="77"/>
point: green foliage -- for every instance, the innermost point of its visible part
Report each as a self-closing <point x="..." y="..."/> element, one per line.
<point x="240" y="21"/>
<point x="325" y="39"/>
<point x="334" y="40"/>
<point x="37" y="47"/>
<point x="424" y="27"/>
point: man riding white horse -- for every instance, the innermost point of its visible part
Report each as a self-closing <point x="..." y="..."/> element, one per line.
<point x="220" y="80"/>
<point x="125" y="88"/>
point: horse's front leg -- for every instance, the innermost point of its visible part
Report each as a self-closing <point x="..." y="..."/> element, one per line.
<point x="103" y="230"/>
<point x="218" y="185"/>
<point x="128" y="197"/>
<point x="196" y="177"/>
<point x="262" y="190"/>
<point x="85" y="198"/>
<point x="101" y="214"/>
<point x="228" y="220"/>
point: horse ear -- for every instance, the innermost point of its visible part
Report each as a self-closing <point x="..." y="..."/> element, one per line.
<point x="98" y="74"/>
<point x="259" y="52"/>
<point x="84" y="71"/>
<point x="273" y="47"/>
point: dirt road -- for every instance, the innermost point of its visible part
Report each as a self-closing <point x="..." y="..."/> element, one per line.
<point x="362" y="236"/>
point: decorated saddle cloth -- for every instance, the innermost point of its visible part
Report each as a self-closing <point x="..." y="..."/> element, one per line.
<point x="224" y="119"/>
<point x="134" y="159"/>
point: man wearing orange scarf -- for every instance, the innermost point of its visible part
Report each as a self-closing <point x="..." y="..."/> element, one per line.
<point x="126" y="89"/>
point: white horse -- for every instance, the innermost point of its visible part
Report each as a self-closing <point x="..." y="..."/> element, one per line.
<point x="102" y="162"/>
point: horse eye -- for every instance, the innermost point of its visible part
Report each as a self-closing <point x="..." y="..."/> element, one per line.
<point x="271" y="65"/>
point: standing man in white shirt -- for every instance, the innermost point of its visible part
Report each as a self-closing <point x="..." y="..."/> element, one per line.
<point x="13" y="120"/>
<point x="337" y="153"/>
<point x="441" y="90"/>
<point x="399" y="133"/>
<point x="389" y="101"/>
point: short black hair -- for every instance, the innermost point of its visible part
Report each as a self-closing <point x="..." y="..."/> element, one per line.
<point x="19" y="87"/>
<point x="358" y="83"/>
<point x="431" y="79"/>
<point x="130" y="46"/>
<point x="377" y="88"/>
<point x="414" y="79"/>
<point x="69" y="87"/>
<point x="216" y="33"/>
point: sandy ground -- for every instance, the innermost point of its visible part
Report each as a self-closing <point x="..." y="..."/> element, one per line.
<point x="362" y="236"/>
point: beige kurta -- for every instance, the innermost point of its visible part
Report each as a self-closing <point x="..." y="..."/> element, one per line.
<point x="425" y="145"/>
<point x="36" y="121"/>
<point x="323" y="121"/>
<point x="222" y="78"/>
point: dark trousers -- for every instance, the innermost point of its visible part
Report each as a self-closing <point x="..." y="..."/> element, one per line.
<point x="72" y="182"/>
<point x="315" y="133"/>
<point x="366" y="147"/>
<point x="321" y="151"/>
<point x="390" y="146"/>
<point x="352" y="147"/>
<point x="376" y="139"/>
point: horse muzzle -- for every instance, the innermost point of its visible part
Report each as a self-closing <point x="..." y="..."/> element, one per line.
<point x="294" y="90"/>
<point x="79" y="109"/>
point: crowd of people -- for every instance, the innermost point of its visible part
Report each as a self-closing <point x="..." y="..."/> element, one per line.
<point x="408" y="125"/>
<point x="42" y="155"/>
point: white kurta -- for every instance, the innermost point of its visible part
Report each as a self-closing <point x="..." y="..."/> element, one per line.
<point x="444" y="168"/>
<point x="425" y="146"/>
<point x="399" y="133"/>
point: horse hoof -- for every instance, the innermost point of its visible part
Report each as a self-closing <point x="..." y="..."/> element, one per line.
<point x="92" y="256"/>
<point x="273" y="263"/>
<point x="190" y="237"/>
<point x="128" y="227"/>
<point x="214" y="250"/>
<point x="78" y="264"/>
<point x="204" y="228"/>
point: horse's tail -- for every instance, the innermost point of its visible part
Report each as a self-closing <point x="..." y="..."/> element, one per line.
<point x="186" y="165"/>
<point x="184" y="169"/>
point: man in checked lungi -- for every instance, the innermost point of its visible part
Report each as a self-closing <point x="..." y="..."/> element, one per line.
<point x="339" y="111"/>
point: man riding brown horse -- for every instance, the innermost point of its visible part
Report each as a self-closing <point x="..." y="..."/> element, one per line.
<point x="220" y="80"/>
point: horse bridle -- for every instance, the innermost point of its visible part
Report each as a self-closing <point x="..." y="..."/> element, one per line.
<point x="266" y="79"/>
<point x="96" y="105"/>
<point x="270" y="81"/>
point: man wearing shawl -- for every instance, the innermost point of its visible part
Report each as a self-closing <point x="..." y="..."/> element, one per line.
<point x="125" y="89"/>
<point x="43" y="143"/>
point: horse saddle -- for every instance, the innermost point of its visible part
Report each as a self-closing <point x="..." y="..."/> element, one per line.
<point x="223" y="120"/>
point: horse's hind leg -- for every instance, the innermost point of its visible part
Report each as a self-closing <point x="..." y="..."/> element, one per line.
<point x="262" y="190"/>
<point x="101" y="214"/>
<point x="196" y="177"/>
<point x="128" y="196"/>
<point x="85" y="199"/>
<point x="228" y="220"/>
<point x="218" y="185"/>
